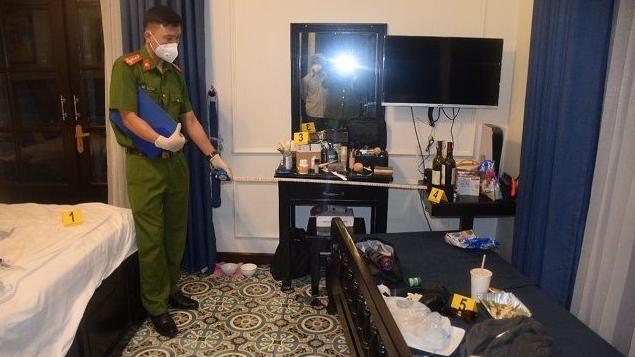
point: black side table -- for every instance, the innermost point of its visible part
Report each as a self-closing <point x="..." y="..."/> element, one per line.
<point x="468" y="207"/>
<point x="292" y="194"/>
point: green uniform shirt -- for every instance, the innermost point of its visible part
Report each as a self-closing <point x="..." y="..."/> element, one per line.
<point x="345" y="99"/>
<point x="166" y="87"/>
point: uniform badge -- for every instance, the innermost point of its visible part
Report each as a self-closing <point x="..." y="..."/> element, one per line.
<point x="130" y="60"/>
<point x="146" y="65"/>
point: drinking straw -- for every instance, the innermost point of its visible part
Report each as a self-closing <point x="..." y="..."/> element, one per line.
<point x="483" y="262"/>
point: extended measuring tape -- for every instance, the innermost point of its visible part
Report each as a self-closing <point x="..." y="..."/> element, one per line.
<point x="329" y="182"/>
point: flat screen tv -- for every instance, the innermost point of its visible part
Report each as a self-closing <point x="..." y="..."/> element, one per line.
<point x="441" y="71"/>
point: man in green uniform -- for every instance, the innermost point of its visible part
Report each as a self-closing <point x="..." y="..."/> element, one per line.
<point x="158" y="188"/>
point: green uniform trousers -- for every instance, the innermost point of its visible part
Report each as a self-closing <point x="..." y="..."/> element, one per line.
<point x="158" y="194"/>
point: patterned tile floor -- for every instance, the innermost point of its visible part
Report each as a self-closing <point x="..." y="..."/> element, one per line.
<point x="248" y="317"/>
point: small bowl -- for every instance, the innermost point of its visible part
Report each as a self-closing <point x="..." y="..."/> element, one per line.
<point x="248" y="269"/>
<point x="229" y="268"/>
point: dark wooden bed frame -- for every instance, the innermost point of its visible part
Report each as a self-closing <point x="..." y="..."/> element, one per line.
<point x="367" y="323"/>
<point x="113" y="309"/>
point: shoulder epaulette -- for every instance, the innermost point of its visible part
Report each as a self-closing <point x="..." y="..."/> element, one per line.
<point x="133" y="59"/>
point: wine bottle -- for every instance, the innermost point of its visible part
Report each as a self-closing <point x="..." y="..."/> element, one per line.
<point x="449" y="171"/>
<point x="331" y="154"/>
<point x="437" y="167"/>
<point x="324" y="153"/>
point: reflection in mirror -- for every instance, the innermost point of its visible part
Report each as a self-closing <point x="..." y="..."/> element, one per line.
<point x="34" y="97"/>
<point x="338" y="84"/>
<point x="42" y="155"/>
<point x="98" y="157"/>
<point x="335" y="73"/>
<point x="27" y="35"/>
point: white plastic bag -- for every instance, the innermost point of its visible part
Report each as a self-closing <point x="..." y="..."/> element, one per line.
<point x="416" y="321"/>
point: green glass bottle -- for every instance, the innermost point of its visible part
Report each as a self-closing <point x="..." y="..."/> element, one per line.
<point x="437" y="167"/>
<point x="449" y="172"/>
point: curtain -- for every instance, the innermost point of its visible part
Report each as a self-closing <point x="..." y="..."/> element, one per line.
<point x="111" y="23"/>
<point x="567" y="65"/>
<point x="200" y="250"/>
<point x="604" y="296"/>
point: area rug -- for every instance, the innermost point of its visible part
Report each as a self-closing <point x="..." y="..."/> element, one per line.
<point x="244" y="318"/>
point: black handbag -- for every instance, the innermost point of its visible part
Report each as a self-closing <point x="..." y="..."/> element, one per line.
<point x="291" y="261"/>
<point x="369" y="133"/>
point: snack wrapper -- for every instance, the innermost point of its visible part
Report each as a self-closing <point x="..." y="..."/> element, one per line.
<point x="469" y="240"/>
<point x="489" y="180"/>
<point x="504" y="305"/>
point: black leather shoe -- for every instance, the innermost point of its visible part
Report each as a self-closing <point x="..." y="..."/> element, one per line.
<point x="164" y="325"/>
<point x="180" y="301"/>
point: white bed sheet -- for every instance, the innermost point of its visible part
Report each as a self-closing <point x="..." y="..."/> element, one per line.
<point x="55" y="271"/>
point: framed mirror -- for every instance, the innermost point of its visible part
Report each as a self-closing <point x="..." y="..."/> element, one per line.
<point x="336" y="74"/>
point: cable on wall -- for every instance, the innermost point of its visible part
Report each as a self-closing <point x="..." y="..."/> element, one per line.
<point x="423" y="161"/>
<point x="452" y="118"/>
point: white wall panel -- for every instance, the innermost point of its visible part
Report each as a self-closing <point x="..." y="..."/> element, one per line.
<point x="256" y="214"/>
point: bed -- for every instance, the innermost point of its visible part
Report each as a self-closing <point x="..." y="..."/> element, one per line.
<point x="369" y="326"/>
<point x="66" y="290"/>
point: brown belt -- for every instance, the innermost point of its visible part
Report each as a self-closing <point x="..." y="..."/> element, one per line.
<point x="165" y="154"/>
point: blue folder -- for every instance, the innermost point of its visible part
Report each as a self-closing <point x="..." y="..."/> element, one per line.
<point x="155" y="116"/>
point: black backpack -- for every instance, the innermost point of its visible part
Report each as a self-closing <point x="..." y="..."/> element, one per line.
<point x="291" y="261"/>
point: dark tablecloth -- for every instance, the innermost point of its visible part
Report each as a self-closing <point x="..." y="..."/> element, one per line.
<point x="426" y="255"/>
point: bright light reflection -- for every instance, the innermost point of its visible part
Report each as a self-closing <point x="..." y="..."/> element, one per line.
<point x="345" y="63"/>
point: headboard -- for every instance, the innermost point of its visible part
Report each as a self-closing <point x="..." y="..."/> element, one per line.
<point x="368" y="324"/>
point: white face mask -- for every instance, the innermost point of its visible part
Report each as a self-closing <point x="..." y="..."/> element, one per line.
<point x="167" y="52"/>
<point x="316" y="68"/>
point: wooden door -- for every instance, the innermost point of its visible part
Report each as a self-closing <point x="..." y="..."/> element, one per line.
<point x="86" y="76"/>
<point x="51" y="79"/>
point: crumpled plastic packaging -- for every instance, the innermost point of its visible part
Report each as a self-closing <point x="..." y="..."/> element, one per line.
<point x="468" y="240"/>
<point x="503" y="304"/>
<point x="437" y="331"/>
<point x="488" y="176"/>
<point x="379" y="253"/>
<point x="375" y="245"/>
<point x="433" y="330"/>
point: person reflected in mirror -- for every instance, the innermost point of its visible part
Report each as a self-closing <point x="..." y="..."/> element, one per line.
<point x="314" y="93"/>
<point x="347" y="92"/>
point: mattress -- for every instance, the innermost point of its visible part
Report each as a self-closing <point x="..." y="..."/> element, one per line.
<point x="50" y="271"/>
